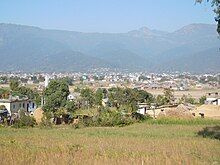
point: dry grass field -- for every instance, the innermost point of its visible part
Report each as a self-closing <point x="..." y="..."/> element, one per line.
<point x="142" y="143"/>
<point x="195" y="93"/>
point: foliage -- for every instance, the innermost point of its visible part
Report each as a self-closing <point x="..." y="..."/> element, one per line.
<point x="211" y="132"/>
<point x="88" y="96"/>
<point x="61" y="111"/>
<point x="99" y="96"/>
<point x="161" y="100"/>
<point x="187" y="99"/>
<point x="109" y="119"/>
<point x="14" y="84"/>
<point x="24" y="121"/>
<point x="46" y="121"/>
<point x="55" y="95"/>
<point x="169" y="96"/>
<point x="4" y="93"/>
<point x="71" y="106"/>
<point x="119" y="97"/>
<point x="202" y="100"/>
<point x="31" y="94"/>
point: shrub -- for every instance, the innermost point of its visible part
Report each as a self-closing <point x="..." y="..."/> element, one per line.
<point x="46" y="123"/>
<point x="140" y="117"/>
<point x="211" y="132"/>
<point x="108" y="119"/>
<point x="25" y="121"/>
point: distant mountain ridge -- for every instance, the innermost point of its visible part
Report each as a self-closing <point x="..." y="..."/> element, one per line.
<point x="193" y="48"/>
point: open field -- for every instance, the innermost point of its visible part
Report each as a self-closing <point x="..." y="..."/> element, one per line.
<point x="142" y="143"/>
<point x="195" y="93"/>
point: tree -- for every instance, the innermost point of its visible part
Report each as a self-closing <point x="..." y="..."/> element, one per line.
<point x="31" y="94"/>
<point x="161" y="100"/>
<point x="4" y="93"/>
<point x="169" y="96"/>
<point x="88" y="96"/>
<point x="202" y="100"/>
<point x="55" y="95"/>
<point x="187" y="99"/>
<point x="145" y="97"/>
<point x="71" y="106"/>
<point x="216" y="5"/>
<point x="14" y="84"/>
<point x="99" y="96"/>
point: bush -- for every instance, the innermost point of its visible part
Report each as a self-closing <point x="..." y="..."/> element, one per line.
<point x="108" y="119"/>
<point x="24" y="121"/>
<point x="140" y="117"/>
<point x="211" y="132"/>
<point x="46" y="123"/>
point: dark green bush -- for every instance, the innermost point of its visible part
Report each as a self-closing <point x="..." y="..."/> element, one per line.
<point x="109" y="119"/>
<point x="24" y="121"/>
<point x="211" y="132"/>
<point x="140" y="117"/>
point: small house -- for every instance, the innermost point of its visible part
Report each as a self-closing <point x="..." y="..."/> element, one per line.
<point x="14" y="104"/>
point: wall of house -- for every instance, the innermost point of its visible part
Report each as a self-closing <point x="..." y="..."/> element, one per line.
<point x="15" y="106"/>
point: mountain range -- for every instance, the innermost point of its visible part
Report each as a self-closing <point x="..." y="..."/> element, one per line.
<point x="193" y="48"/>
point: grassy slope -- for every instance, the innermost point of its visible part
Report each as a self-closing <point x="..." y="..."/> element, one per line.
<point x="136" y="144"/>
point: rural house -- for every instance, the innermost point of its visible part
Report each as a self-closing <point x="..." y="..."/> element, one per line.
<point x="14" y="104"/>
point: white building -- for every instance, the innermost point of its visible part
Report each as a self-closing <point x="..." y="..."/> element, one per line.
<point x="47" y="81"/>
<point x="142" y="108"/>
<point x="213" y="98"/>
<point x="14" y="104"/>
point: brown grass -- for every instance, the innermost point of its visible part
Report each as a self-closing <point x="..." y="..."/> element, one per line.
<point x="136" y="144"/>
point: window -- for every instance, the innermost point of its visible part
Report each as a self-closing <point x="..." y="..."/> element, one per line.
<point x="20" y="105"/>
<point x="14" y="106"/>
<point x="23" y="105"/>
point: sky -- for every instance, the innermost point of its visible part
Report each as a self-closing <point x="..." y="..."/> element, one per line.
<point x="111" y="16"/>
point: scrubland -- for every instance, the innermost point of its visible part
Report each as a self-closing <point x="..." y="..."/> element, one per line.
<point x="160" y="142"/>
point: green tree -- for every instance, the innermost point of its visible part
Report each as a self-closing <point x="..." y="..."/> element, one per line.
<point x="161" y="100"/>
<point x="99" y="96"/>
<point x="88" y="96"/>
<point x="145" y="97"/>
<point x="169" y="95"/>
<point x="116" y="97"/>
<point x="202" y="100"/>
<point x="55" y="95"/>
<point x="14" y="84"/>
<point x="71" y="106"/>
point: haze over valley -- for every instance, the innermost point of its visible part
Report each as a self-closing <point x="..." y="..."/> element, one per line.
<point x="192" y="48"/>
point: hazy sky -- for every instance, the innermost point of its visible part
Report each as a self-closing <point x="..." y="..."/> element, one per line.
<point x="105" y="15"/>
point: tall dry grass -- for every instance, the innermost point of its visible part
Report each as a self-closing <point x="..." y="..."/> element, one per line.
<point x="140" y="143"/>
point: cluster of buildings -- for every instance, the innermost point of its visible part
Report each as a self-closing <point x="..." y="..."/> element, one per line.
<point x="105" y="78"/>
<point x="108" y="79"/>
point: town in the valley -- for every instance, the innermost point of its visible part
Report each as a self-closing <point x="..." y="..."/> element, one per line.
<point x="184" y="94"/>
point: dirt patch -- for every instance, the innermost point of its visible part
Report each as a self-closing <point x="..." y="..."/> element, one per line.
<point x="181" y="112"/>
<point x="210" y="111"/>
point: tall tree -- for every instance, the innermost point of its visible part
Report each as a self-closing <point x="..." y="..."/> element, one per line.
<point x="55" y="95"/>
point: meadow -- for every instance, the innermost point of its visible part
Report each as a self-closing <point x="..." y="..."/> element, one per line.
<point x="164" y="142"/>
